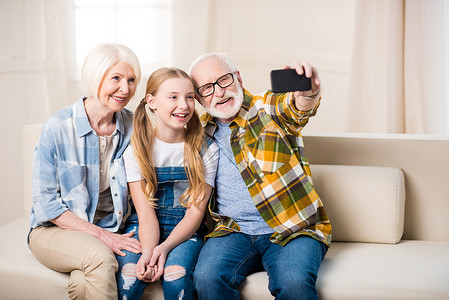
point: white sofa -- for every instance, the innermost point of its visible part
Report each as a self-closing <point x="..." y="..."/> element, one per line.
<point x="390" y="237"/>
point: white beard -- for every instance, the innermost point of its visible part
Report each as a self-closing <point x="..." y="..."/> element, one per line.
<point x="232" y="111"/>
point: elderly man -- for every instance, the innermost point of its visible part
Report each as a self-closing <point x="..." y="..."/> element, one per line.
<point x="266" y="211"/>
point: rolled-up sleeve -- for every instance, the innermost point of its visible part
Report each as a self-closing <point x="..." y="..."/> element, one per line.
<point x="47" y="202"/>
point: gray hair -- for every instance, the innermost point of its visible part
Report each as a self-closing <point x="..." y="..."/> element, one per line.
<point x="222" y="56"/>
<point x="100" y="59"/>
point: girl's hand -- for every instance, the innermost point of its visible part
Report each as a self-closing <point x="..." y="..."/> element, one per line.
<point x="158" y="259"/>
<point x="144" y="271"/>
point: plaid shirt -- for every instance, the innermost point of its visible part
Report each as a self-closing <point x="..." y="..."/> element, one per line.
<point x="269" y="152"/>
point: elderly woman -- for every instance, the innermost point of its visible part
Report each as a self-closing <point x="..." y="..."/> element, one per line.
<point x="79" y="184"/>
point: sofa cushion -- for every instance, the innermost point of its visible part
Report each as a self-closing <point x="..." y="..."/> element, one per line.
<point x="22" y="276"/>
<point x="20" y="273"/>
<point x="408" y="270"/>
<point x="364" y="203"/>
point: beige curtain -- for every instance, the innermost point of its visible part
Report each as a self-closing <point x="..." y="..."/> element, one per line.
<point x="60" y="70"/>
<point x="397" y="80"/>
<point x="426" y="68"/>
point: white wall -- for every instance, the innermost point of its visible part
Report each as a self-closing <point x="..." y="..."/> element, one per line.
<point x="260" y="35"/>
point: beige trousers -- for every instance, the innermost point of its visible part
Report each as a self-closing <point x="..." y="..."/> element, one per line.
<point x="91" y="264"/>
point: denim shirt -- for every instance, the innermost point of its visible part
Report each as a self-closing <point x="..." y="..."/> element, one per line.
<point x="66" y="173"/>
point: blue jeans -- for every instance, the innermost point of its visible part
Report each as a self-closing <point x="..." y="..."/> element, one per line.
<point x="225" y="262"/>
<point x="184" y="255"/>
<point x="172" y="182"/>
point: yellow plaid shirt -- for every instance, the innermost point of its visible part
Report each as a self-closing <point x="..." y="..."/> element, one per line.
<point x="269" y="152"/>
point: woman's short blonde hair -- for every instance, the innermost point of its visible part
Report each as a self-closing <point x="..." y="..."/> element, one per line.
<point x="100" y="59"/>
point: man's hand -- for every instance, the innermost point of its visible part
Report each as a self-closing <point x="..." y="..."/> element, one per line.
<point x="306" y="100"/>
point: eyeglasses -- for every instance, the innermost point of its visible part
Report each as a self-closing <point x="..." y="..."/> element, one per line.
<point x="209" y="88"/>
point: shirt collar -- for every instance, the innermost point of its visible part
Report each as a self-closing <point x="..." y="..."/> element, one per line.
<point x="82" y="122"/>
<point x="242" y="118"/>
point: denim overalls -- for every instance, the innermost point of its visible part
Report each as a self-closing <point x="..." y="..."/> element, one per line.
<point x="172" y="182"/>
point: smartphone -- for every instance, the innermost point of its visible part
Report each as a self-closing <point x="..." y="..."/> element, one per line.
<point x="287" y="80"/>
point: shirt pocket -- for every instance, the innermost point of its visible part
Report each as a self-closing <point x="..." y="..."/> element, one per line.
<point x="72" y="178"/>
<point x="271" y="150"/>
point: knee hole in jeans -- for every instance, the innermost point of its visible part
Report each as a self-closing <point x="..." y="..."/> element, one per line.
<point x="128" y="273"/>
<point x="174" y="272"/>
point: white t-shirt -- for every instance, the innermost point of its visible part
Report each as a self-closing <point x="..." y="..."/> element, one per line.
<point x="171" y="155"/>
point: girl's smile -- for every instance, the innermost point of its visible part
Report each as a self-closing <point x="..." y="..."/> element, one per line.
<point x="173" y="106"/>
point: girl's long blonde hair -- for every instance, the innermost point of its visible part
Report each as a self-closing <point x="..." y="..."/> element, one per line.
<point x="142" y="141"/>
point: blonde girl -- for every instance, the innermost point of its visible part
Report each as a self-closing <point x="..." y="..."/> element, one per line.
<point x="170" y="170"/>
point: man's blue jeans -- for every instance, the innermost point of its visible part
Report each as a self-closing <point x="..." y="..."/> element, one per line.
<point x="224" y="263"/>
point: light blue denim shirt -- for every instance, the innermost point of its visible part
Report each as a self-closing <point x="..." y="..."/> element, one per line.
<point x="66" y="171"/>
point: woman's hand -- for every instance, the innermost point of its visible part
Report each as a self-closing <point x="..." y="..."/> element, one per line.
<point x="118" y="242"/>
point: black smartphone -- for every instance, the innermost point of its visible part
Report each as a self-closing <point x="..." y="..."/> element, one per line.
<point x="287" y="80"/>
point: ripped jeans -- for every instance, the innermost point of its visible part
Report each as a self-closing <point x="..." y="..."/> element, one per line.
<point x="176" y="284"/>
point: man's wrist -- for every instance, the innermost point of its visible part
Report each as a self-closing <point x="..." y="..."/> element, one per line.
<point x="312" y="96"/>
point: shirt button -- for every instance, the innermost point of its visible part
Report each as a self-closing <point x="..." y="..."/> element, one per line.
<point x="120" y="212"/>
<point x="115" y="195"/>
<point x="113" y="177"/>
